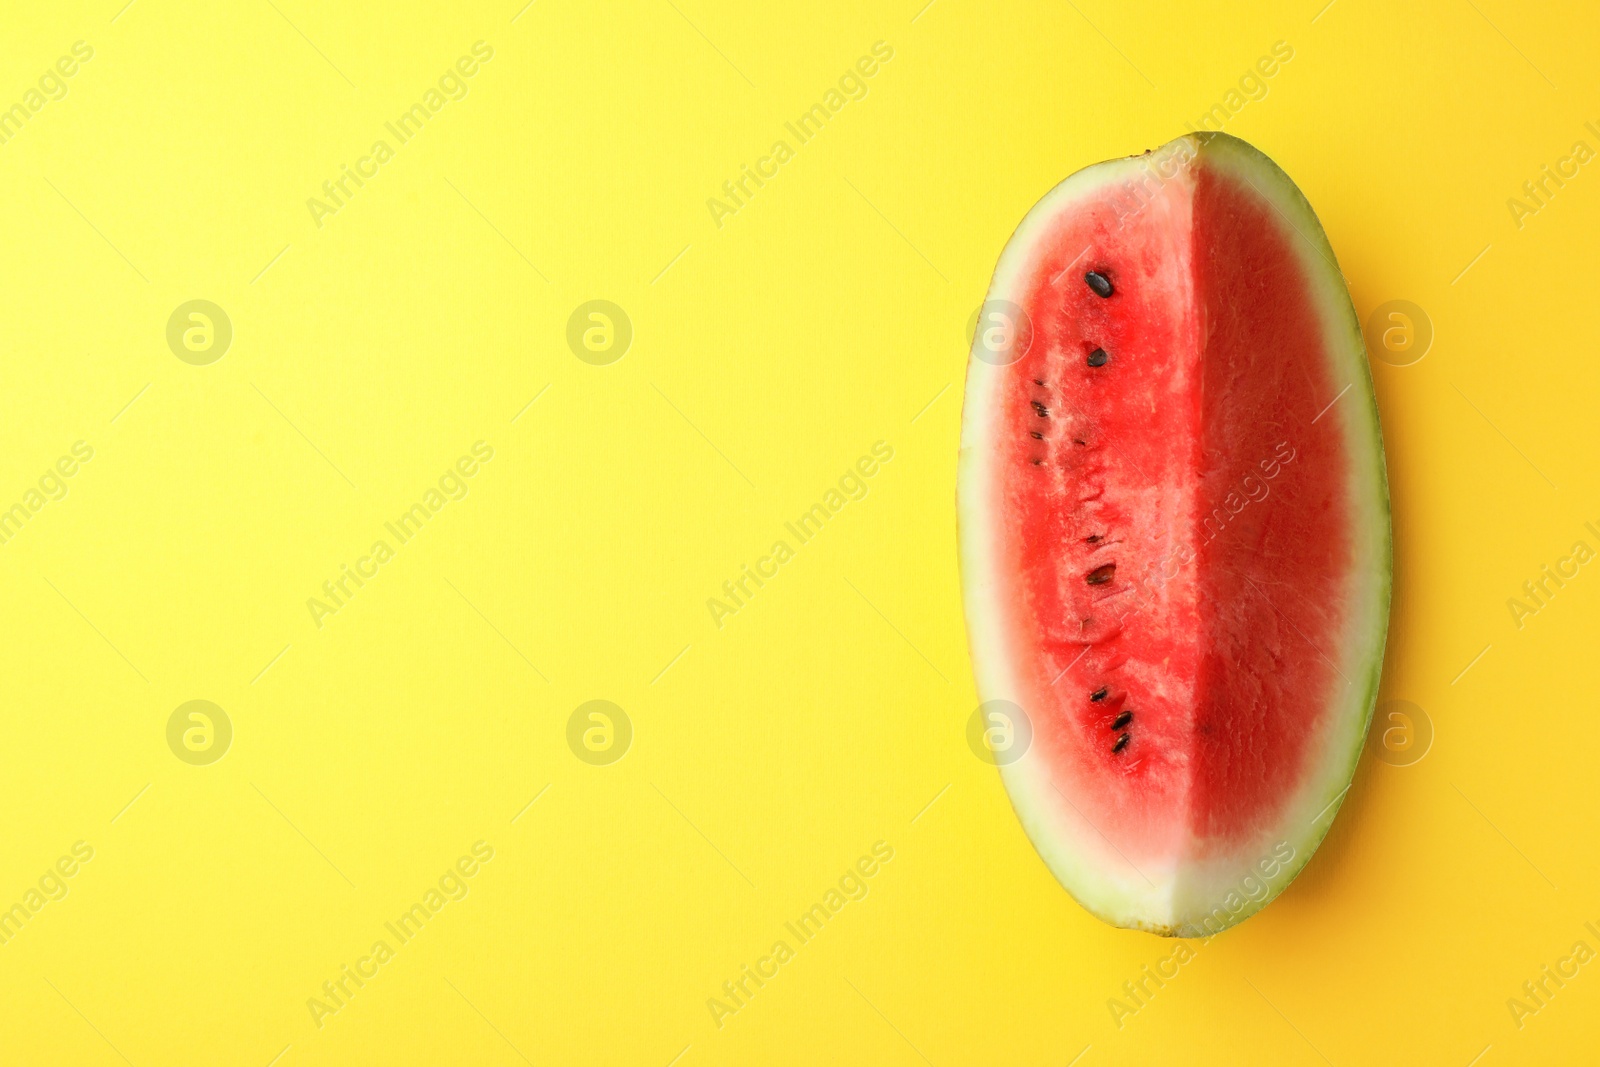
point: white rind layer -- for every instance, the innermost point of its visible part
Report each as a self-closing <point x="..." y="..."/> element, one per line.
<point x="1184" y="897"/>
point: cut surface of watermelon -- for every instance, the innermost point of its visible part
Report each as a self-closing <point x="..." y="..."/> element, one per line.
<point x="1174" y="525"/>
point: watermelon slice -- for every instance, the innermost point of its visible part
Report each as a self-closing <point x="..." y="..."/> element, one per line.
<point x="1175" y="539"/>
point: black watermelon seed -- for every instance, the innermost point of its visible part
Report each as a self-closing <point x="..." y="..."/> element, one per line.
<point x="1036" y="435"/>
<point x="1038" y="382"/>
<point x="1098" y="358"/>
<point x="1099" y="694"/>
<point x="1099" y="283"/>
<point x="1040" y="410"/>
<point x="1100" y="575"/>
<point x="1092" y="538"/>
<point x="1122" y="720"/>
<point x="1122" y="743"/>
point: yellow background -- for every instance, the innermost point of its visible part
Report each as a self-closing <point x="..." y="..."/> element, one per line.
<point x="768" y="354"/>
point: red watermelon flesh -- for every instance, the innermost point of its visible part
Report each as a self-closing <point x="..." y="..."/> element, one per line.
<point x="1175" y="531"/>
